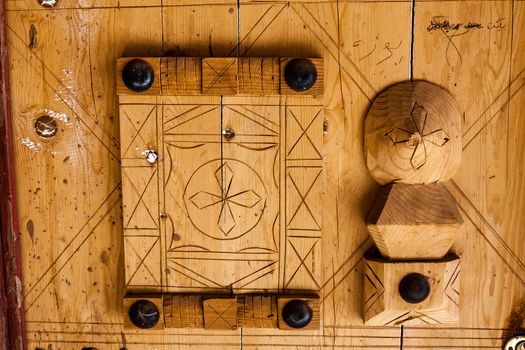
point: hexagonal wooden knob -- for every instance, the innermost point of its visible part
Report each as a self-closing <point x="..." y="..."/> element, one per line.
<point x="411" y="222"/>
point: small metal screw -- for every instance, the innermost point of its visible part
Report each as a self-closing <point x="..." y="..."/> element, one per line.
<point x="228" y="133"/>
<point x="46" y="126"/>
<point x="151" y="156"/>
<point x="48" y="3"/>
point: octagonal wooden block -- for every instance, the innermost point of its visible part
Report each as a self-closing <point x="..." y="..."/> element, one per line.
<point x="409" y="222"/>
<point x="383" y="304"/>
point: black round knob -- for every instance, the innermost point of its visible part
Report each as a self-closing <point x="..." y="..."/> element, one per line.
<point x="300" y="74"/>
<point x="144" y="314"/>
<point x="297" y="313"/>
<point x="138" y="75"/>
<point x="414" y="288"/>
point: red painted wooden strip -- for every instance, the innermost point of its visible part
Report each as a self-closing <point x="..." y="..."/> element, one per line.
<point x="12" y="327"/>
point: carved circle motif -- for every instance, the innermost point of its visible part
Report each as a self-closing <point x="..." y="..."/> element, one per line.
<point x="225" y="200"/>
<point x="412" y="134"/>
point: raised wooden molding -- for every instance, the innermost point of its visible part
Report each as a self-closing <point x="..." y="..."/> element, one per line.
<point x="220" y="313"/>
<point x="257" y="311"/>
<point x="413" y="134"/>
<point x="183" y="311"/>
<point x="384" y="306"/>
<point x="313" y="302"/>
<point x="414" y="221"/>
<point x="254" y="76"/>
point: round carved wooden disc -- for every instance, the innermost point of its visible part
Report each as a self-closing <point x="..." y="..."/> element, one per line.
<point x="413" y="134"/>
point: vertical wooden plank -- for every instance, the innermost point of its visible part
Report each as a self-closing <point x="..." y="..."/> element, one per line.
<point x="12" y="315"/>
<point x="251" y="170"/>
<point x="304" y="178"/>
<point x="70" y="217"/>
<point x="200" y="31"/>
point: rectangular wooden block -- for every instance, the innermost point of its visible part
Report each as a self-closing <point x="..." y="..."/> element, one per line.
<point x="257" y="311"/>
<point x="219" y="76"/>
<point x="313" y="302"/>
<point x="181" y="75"/>
<point x="383" y="304"/>
<point x="130" y="299"/>
<point x="220" y="313"/>
<point x="183" y="311"/>
<point x="259" y="76"/>
<point x="316" y="90"/>
<point x="155" y="89"/>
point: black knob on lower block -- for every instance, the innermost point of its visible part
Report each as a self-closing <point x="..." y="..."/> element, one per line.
<point x="297" y="313"/>
<point x="300" y="74"/>
<point x="414" y="288"/>
<point x="138" y="75"/>
<point x="144" y="314"/>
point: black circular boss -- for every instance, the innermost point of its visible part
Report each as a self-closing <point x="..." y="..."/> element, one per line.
<point x="297" y="313"/>
<point x="144" y="314"/>
<point x="300" y="74"/>
<point x="414" y="288"/>
<point x="138" y="75"/>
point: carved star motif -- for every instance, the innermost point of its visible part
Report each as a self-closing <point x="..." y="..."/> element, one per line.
<point x="418" y="139"/>
<point x="226" y="198"/>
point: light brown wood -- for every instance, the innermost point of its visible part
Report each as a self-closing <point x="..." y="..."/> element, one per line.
<point x="72" y="252"/>
<point x="314" y="304"/>
<point x="130" y="299"/>
<point x="259" y="76"/>
<point x="412" y="134"/>
<point x="183" y="311"/>
<point x="219" y="212"/>
<point x="220" y="313"/>
<point x="383" y="305"/>
<point x="257" y="311"/>
<point x="141" y="221"/>
<point x="181" y="75"/>
<point x="414" y="221"/>
<point x="219" y="76"/>
<point x="254" y="76"/>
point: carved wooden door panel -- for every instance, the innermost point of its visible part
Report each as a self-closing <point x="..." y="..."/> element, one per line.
<point x="229" y="199"/>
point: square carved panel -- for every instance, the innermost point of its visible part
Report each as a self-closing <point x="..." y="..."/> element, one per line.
<point x="231" y="197"/>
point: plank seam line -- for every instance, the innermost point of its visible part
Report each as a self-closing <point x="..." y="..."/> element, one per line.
<point x="412" y="24"/>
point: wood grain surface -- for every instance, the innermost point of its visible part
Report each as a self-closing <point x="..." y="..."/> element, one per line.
<point x="63" y="63"/>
